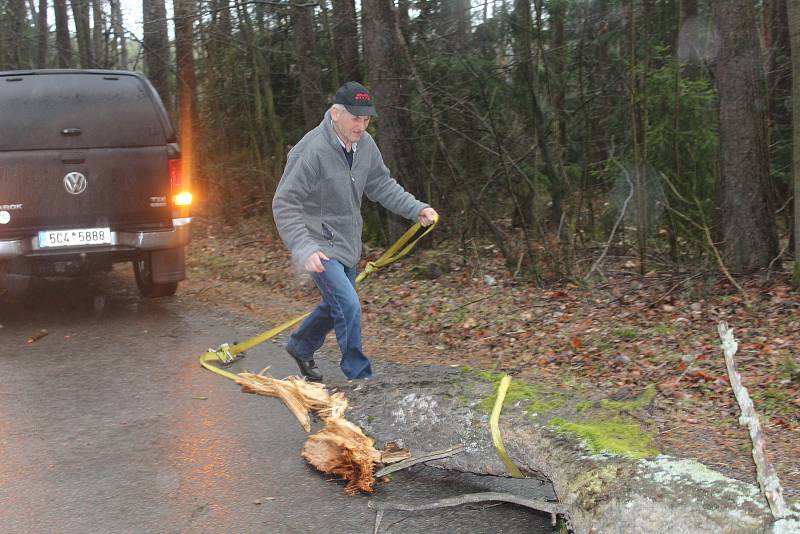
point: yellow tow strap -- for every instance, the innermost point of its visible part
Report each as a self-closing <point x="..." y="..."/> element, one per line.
<point x="226" y="353"/>
<point x="494" y="424"/>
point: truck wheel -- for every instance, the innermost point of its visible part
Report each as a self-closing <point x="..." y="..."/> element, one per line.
<point x="143" y="271"/>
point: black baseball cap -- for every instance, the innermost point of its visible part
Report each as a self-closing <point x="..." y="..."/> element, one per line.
<point x="356" y="99"/>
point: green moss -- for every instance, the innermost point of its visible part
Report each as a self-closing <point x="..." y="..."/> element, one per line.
<point x="617" y="436"/>
<point x="583" y="406"/>
<point x="544" y="406"/>
<point x="662" y="330"/>
<point x="642" y="402"/>
<point x="370" y="419"/>
<point x="592" y="487"/>
<point x="561" y="527"/>
<point x="541" y="400"/>
<point x="772" y="399"/>
<point x="625" y="332"/>
<point x="790" y="368"/>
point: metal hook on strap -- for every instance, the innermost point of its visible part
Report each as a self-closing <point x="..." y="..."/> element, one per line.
<point x="224" y="354"/>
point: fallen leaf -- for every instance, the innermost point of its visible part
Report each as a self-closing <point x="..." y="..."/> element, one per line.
<point x="469" y="322"/>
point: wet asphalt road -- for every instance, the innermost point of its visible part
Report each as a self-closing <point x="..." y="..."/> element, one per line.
<point x="109" y="424"/>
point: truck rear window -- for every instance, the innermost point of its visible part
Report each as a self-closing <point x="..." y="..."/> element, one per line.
<point x="69" y="111"/>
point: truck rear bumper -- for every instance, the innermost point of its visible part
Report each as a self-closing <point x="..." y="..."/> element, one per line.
<point x="176" y="237"/>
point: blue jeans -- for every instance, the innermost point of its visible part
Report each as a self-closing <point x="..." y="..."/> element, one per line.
<point x="340" y="310"/>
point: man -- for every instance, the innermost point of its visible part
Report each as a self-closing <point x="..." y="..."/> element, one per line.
<point x="317" y="209"/>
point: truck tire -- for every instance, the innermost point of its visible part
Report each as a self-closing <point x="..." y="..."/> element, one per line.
<point x="143" y="271"/>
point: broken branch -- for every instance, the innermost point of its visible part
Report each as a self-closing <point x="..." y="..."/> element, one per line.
<point x="534" y="504"/>
<point x="767" y="477"/>
<point x="436" y="455"/>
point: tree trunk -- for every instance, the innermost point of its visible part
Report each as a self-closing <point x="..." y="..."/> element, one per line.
<point x="120" y="55"/>
<point x="345" y="39"/>
<point x="18" y="21"/>
<point x="310" y="79"/>
<point x="80" y="15"/>
<point x="63" y="43"/>
<point x="267" y="140"/>
<point x="330" y="57"/>
<point x="391" y="85"/>
<point x="526" y="71"/>
<point x="187" y="85"/>
<point x="156" y="47"/>
<point x="558" y="14"/>
<point x="779" y="90"/>
<point x="42" y="31"/>
<point x="404" y="19"/>
<point x="688" y="9"/>
<point x="32" y="10"/>
<point x="747" y="224"/>
<point x="456" y="20"/>
<point x="793" y="8"/>
<point x="98" y="34"/>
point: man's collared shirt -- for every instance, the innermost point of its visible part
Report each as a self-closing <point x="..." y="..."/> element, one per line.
<point x="348" y="155"/>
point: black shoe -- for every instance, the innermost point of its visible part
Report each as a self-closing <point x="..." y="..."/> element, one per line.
<point x="308" y="368"/>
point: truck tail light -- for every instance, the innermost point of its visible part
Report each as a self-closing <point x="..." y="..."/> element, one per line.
<point x="180" y="196"/>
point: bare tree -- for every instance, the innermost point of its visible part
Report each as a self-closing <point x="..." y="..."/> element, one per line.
<point x="156" y="47"/>
<point x="120" y="48"/>
<point x="776" y="43"/>
<point x="63" y="43"/>
<point x="185" y="13"/>
<point x="456" y="19"/>
<point x="80" y="15"/>
<point x="310" y="74"/>
<point x="20" y="56"/>
<point x="526" y="72"/>
<point x="42" y="31"/>
<point x="391" y="84"/>
<point x="779" y="91"/>
<point x="345" y="39"/>
<point x="793" y="8"/>
<point x="747" y="224"/>
<point x="99" y="34"/>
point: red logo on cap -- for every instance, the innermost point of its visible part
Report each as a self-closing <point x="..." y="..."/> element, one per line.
<point x="363" y="97"/>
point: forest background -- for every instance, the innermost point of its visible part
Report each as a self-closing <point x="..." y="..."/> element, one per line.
<point x="624" y="165"/>
<point x="559" y="130"/>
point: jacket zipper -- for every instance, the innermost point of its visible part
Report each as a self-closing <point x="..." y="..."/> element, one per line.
<point x="356" y="238"/>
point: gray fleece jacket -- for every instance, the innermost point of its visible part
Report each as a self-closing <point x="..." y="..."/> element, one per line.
<point x="317" y="206"/>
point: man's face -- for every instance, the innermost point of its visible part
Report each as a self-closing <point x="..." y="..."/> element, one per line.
<point x="349" y="127"/>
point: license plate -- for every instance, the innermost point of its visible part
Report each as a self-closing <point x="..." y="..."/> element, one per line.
<point x="74" y="238"/>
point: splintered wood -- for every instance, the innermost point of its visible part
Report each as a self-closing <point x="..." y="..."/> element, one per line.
<point x="298" y="395"/>
<point x="341" y="448"/>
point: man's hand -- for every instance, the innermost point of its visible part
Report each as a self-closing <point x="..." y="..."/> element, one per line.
<point x="314" y="262"/>
<point x="428" y="216"/>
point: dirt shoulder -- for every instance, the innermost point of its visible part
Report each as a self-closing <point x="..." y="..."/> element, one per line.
<point x="611" y="344"/>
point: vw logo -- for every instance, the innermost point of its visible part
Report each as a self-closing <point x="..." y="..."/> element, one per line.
<point x="75" y="183"/>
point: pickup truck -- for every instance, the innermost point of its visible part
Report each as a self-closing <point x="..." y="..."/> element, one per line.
<point x="90" y="175"/>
